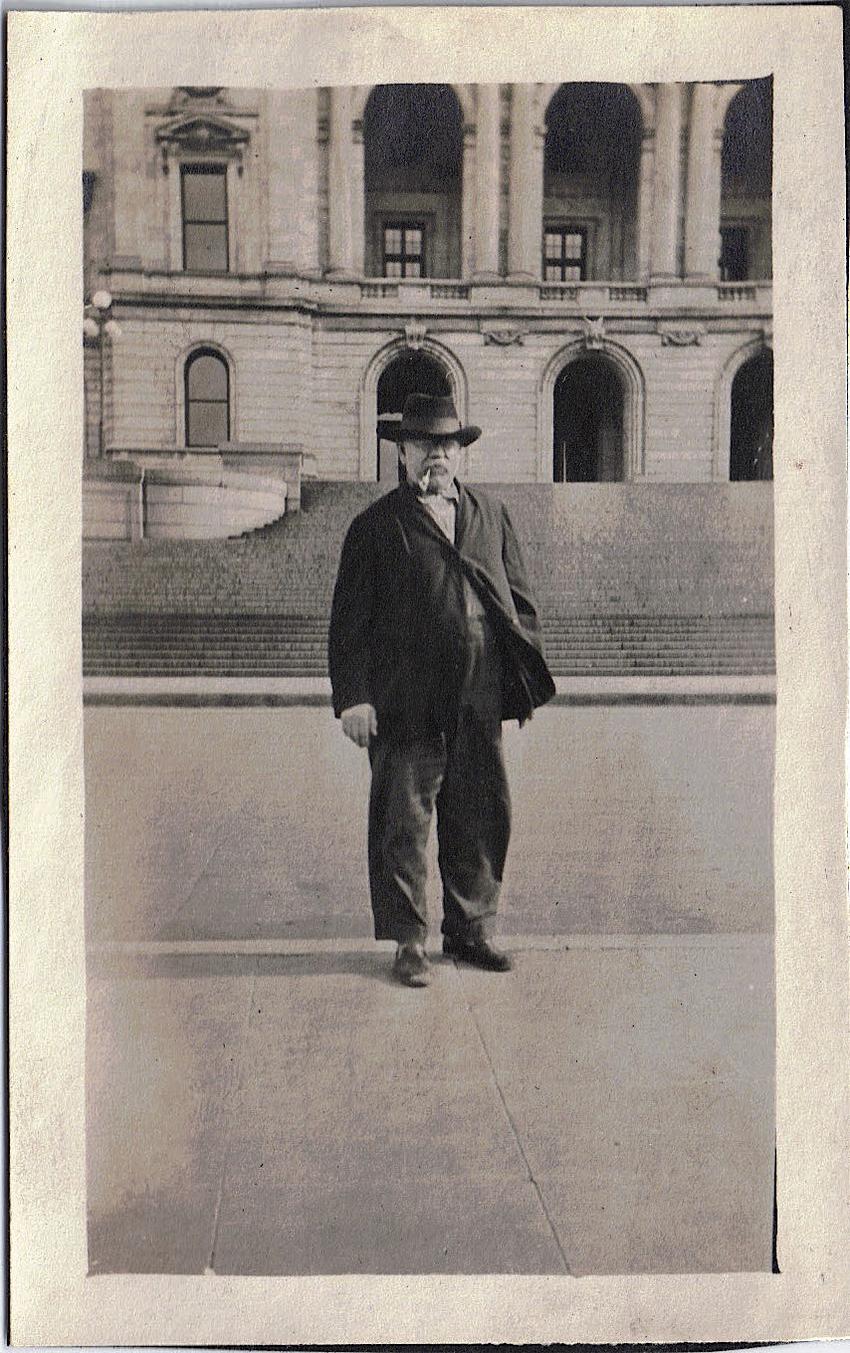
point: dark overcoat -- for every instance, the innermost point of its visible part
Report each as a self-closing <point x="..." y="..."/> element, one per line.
<point x="398" y="619"/>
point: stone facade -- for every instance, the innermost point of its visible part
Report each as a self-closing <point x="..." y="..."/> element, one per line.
<point x="308" y="326"/>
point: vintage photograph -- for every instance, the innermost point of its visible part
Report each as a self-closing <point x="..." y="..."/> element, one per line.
<point x="429" y="682"/>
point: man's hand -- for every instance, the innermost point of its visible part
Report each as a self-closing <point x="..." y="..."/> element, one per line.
<point x="360" y="723"/>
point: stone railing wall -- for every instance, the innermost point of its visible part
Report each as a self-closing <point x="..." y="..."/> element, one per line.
<point x="131" y="501"/>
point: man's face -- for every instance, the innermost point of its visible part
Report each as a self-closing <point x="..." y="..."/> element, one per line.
<point x="431" y="464"/>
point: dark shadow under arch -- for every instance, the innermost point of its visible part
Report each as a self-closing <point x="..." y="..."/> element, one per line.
<point x="588" y="422"/>
<point x="751" y="419"/>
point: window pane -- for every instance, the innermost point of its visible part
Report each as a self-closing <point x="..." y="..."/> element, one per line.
<point x="414" y="241"/>
<point x="413" y="269"/>
<point x="205" y="247"/>
<point x="392" y="241"/>
<point x="204" y="196"/>
<point x="572" y="273"/>
<point x="392" y="269"/>
<point x="207" y="424"/>
<point x="207" y="378"/>
<point x="553" y="272"/>
<point x="553" y="244"/>
<point x="572" y="246"/>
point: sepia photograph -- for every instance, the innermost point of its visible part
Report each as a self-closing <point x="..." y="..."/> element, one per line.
<point x="427" y="677"/>
<point x="428" y="600"/>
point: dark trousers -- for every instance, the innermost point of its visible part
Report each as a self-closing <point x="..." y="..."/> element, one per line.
<point x="461" y="773"/>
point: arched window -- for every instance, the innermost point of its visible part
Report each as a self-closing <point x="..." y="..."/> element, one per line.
<point x="207" y="399"/>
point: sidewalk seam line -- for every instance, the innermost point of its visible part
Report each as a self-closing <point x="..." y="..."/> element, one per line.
<point x="512" y="1124"/>
<point x="234" y="1089"/>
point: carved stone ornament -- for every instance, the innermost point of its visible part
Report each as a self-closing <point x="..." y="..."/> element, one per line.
<point x="414" y="335"/>
<point x="201" y="134"/>
<point x="690" y="337"/>
<point x="594" y="331"/>
<point x="188" y="92"/>
<point x="504" y="338"/>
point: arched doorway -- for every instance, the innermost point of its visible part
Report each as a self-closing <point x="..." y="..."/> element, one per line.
<point x="413" y="172"/>
<point x="746" y="180"/>
<point x="751" y="421"/>
<point x="588" y="422"/>
<point x="407" y="374"/>
<point x="590" y="185"/>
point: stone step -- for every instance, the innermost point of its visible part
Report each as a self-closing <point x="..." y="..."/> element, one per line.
<point x="252" y="655"/>
<point x="579" y="670"/>
<point x="275" y="623"/>
<point x="320" y="623"/>
<point x="296" y="645"/>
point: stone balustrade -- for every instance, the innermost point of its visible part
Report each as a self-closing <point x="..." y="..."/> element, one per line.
<point x="390" y="295"/>
<point x="152" y="495"/>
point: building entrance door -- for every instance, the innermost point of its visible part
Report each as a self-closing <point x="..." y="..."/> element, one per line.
<point x="751" y="423"/>
<point x="410" y="373"/>
<point x="588" y="423"/>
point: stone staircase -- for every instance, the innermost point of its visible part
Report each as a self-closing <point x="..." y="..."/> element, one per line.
<point x="631" y="580"/>
<point x="289" y="646"/>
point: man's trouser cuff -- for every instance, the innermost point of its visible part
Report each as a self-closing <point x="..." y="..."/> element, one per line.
<point x="409" y="934"/>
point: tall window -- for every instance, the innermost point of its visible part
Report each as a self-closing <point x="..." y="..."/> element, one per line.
<point x="734" y="253"/>
<point x="204" y="207"/>
<point x="207" y="399"/>
<point x="564" y="253"/>
<point x="403" y="249"/>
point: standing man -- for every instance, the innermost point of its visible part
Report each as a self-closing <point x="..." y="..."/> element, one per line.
<point x="434" y="640"/>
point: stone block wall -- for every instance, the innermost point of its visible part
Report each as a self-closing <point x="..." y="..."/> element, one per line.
<point x="269" y="379"/>
<point x="297" y="379"/>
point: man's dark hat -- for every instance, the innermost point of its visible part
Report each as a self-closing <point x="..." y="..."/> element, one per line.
<point x="430" y="416"/>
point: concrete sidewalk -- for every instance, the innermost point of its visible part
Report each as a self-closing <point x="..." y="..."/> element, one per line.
<point x="606" y="1108"/>
<point x="238" y="824"/>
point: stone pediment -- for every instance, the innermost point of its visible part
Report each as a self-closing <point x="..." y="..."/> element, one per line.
<point x="202" y="134"/>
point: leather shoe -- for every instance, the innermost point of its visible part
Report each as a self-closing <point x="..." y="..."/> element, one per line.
<point x="477" y="950"/>
<point x="411" y="965"/>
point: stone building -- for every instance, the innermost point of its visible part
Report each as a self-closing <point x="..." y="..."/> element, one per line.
<point x="586" y="267"/>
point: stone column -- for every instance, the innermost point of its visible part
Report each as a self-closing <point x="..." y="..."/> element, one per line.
<point x="525" y="202"/>
<point x="644" y="202"/>
<point x="134" y="200"/>
<point x="357" y="176"/>
<point x="667" y="182"/>
<point x="340" y="234"/>
<point x="293" y="181"/>
<point x="487" y="166"/>
<point x="702" y="206"/>
<point x="467" y="201"/>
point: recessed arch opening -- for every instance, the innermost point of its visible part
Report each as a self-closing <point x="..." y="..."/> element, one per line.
<point x="590" y="185"/>
<point x="751" y="419"/>
<point x="413" y="181"/>
<point x="589" y="422"/>
<point x="746" y="176"/>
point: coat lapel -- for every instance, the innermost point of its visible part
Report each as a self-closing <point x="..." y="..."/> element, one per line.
<point x="462" y="516"/>
<point x="416" y="513"/>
